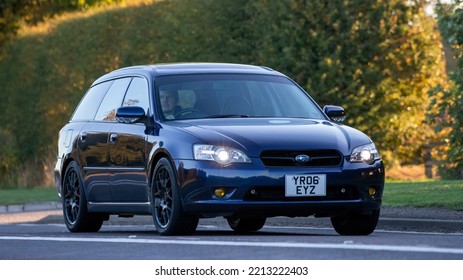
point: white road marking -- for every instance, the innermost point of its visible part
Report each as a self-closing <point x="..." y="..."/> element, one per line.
<point x="376" y="230"/>
<point x="395" y="248"/>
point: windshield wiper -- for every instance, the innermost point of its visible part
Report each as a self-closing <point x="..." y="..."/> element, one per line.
<point x="228" y="116"/>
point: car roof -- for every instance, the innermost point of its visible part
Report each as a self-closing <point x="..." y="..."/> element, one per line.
<point x="188" y="68"/>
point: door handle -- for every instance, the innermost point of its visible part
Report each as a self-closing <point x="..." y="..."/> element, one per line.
<point x="113" y="138"/>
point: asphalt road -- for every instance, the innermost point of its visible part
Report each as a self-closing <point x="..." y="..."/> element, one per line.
<point x="41" y="235"/>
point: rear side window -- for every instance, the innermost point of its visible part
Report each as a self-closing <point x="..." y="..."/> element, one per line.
<point x="87" y="108"/>
<point x="112" y="100"/>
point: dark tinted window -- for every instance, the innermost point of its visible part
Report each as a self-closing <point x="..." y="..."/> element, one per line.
<point x="137" y="94"/>
<point x="89" y="105"/>
<point x="112" y="100"/>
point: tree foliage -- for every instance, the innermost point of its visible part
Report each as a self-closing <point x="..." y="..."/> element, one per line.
<point x="447" y="112"/>
<point x="378" y="59"/>
<point x="31" y="12"/>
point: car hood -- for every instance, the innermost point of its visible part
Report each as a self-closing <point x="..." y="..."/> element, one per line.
<point x="253" y="135"/>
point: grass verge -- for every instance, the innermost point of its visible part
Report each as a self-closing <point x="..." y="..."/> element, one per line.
<point x="439" y="194"/>
<point x="433" y="193"/>
<point x="22" y="196"/>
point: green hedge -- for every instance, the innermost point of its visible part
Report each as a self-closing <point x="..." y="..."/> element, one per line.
<point x="378" y="60"/>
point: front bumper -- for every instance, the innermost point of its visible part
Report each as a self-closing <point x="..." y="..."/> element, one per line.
<point x="256" y="190"/>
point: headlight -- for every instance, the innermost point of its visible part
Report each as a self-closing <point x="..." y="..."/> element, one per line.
<point x="366" y="153"/>
<point x="219" y="154"/>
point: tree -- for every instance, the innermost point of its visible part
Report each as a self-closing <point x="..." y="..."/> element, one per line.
<point x="31" y="12"/>
<point x="447" y="111"/>
<point x="378" y="59"/>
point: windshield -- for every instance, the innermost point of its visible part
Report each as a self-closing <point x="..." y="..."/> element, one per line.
<point x="232" y="95"/>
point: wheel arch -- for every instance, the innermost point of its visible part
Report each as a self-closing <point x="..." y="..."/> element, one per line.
<point x="65" y="165"/>
<point x="156" y="157"/>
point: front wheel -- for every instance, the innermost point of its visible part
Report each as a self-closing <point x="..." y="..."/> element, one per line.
<point x="166" y="203"/>
<point x="243" y="225"/>
<point x="356" y="223"/>
<point x="76" y="216"/>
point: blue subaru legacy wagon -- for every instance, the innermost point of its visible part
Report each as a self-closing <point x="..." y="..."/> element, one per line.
<point x="188" y="141"/>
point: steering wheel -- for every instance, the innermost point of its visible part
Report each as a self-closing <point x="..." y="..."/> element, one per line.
<point x="189" y="112"/>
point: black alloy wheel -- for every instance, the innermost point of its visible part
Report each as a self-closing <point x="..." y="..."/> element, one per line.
<point x="167" y="209"/>
<point x="76" y="216"/>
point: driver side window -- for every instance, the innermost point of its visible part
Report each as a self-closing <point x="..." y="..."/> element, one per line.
<point x="137" y="94"/>
<point x="112" y="100"/>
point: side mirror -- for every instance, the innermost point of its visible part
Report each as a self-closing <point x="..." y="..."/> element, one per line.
<point x="335" y="113"/>
<point x="130" y="114"/>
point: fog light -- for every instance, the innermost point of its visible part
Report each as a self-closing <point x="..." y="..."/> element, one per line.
<point x="371" y="191"/>
<point x="220" y="192"/>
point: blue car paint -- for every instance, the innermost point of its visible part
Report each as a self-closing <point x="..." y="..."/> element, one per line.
<point x="106" y="181"/>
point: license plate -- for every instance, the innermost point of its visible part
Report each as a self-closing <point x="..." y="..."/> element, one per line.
<point x="305" y="185"/>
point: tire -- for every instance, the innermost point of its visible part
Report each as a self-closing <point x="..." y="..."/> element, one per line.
<point x="243" y="225"/>
<point x="356" y="223"/>
<point x="167" y="209"/>
<point x="76" y="216"/>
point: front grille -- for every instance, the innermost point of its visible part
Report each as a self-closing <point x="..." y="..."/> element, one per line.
<point x="317" y="158"/>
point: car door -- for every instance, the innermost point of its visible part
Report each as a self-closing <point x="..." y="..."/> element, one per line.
<point x="93" y="144"/>
<point x="127" y="150"/>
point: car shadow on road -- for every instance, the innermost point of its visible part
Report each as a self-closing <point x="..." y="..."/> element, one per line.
<point x="150" y="231"/>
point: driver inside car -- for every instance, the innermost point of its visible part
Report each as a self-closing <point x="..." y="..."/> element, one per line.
<point x="169" y="100"/>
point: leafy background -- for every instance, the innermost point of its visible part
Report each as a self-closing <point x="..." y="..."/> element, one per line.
<point x="381" y="60"/>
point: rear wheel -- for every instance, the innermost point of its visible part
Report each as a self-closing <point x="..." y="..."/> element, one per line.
<point x="356" y="223"/>
<point x="76" y="216"/>
<point x="166" y="204"/>
<point x="240" y="224"/>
